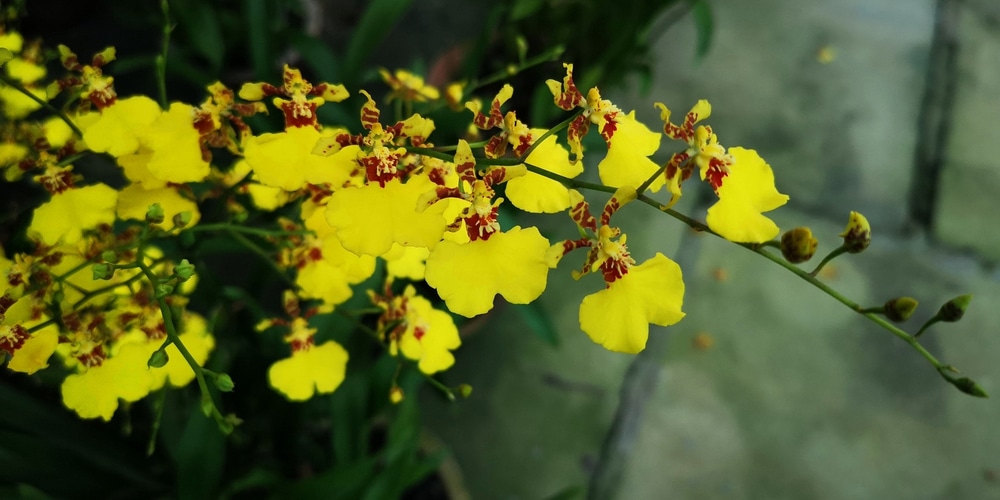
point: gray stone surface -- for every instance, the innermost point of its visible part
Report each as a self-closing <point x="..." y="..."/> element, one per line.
<point x="967" y="204"/>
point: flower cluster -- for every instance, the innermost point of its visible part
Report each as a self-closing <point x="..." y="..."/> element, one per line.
<point x="383" y="205"/>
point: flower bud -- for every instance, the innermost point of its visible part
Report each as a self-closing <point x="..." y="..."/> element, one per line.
<point x="109" y="256"/>
<point x="970" y="387"/>
<point x="395" y="395"/>
<point x="858" y="234"/>
<point x="182" y="219"/>
<point x="464" y="390"/>
<point x="164" y="289"/>
<point x="158" y="359"/>
<point x="900" y="309"/>
<point x="224" y="382"/>
<point x="798" y="245"/>
<point x="154" y="214"/>
<point x="954" y="309"/>
<point x="103" y="271"/>
<point x="184" y="270"/>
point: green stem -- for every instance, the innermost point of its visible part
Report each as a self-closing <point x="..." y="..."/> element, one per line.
<point x="97" y="291"/>
<point x="552" y="131"/>
<point x="758" y="249"/>
<point x="263" y="255"/>
<point x="161" y="59"/>
<point x="549" y="55"/>
<point x="832" y="255"/>
<point x="441" y="387"/>
<point x="927" y="325"/>
<point x="472" y="145"/>
<point x="909" y="339"/>
<point x="248" y="230"/>
<point x="62" y="116"/>
<point x="174" y="338"/>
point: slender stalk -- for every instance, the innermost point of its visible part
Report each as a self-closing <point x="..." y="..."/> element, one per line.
<point x="174" y="338"/>
<point x="161" y="59"/>
<point x="836" y="252"/>
<point x="62" y="116"/>
<point x="552" y="131"/>
<point x="248" y="230"/>
<point x="256" y="250"/>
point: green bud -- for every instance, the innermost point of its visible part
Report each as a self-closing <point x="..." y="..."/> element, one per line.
<point x="103" y="271"/>
<point x="109" y="256"/>
<point x="182" y="219"/>
<point x="184" y="270"/>
<point x="970" y="387"/>
<point x="522" y="47"/>
<point x="154" y="214"/>
<point x="164" y="289"/>
<point x="900" y="309"/>
<point x="798" y="245"/>
<point x="954" y="309"/>
<point x="207" y="405"/>
<point x="158" y="359"/>
<point x="224" y="382"/>
<point x="858" y="234"/>
<point x="464" y="390"/>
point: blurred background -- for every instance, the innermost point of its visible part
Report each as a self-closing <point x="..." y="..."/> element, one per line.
<point x="768" y="388"/>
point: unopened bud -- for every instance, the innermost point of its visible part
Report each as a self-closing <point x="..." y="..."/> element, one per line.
<point x="184" y="270"/>
<point x="900" y="309"/>
<point x="103" y="271"/>
<point x="182" y="219"/>
<point x="798" y="245"/>
<point x="154" y="214"/>
<point x="109" y="256"/>
<point x="464" y="390"/>
<point x="858" y="234"/>
<point x="395" y="395"/>
<point x="158" y="359"/>
<point x="954" y="309"/>
<point x="224" y="382"/>
<point x="164" y="289"/>
<point x="522" y="47"/>
<point x="970" y="387"/>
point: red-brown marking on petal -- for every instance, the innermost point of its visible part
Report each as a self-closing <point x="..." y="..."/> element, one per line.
<point x="301" y="114"/>
<point x="523" y="143"/>
<point x="380" y="169"/>
<point x="302" y="344"/>
<point x="14" y="339"/>
<point x="715" y="173"/>
<point x="614" y="269"/>
<point x="94" y="358"/>
<point x="369" y="116"/>
<point x="482" y="228"/>
<point x="419" y="332"/>
<point x="580" y="213"/>
<point x="496" y="146"/>
<point x="610" y="127"/>
<point x="5" y="302"/>
<point x="494" y="176"/>
<point x="577" y="129"/>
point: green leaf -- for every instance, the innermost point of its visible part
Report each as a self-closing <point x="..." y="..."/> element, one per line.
<point x="200" y="22"/>
<point x="318" y="56"/>
<point x="200" y="456"/>
<point x="538" y="322"/>
<point x="567" y="493"/>
<point x="258" y="39"/>
<point x="375" y="24"/>
<point x="702" y="14"/>
<point x="525" y="8"/>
